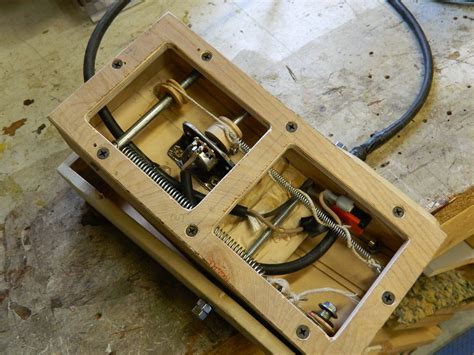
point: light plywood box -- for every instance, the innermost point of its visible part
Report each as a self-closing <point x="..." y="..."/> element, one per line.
<point x="170" y="50"/>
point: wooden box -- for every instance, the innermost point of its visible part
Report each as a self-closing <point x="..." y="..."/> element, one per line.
<point x="278" y="139"/>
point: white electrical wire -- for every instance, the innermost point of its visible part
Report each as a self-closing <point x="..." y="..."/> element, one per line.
<point x="296" y="298"/>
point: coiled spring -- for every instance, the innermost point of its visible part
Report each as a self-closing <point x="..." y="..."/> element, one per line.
<point x="148" y="168"/>
<point x="238" y="249"/>
<point x="359" y="249"/>
<point x="244" y="147"/>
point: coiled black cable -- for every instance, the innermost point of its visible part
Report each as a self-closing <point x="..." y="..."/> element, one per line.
<point x="379" y="138"/>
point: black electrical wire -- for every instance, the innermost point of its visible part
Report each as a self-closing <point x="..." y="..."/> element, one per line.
<point x="381" y="137"/>
<point x="295" y="265"/>
<point x="187" y="185"/>
<point x="91" y="55"/>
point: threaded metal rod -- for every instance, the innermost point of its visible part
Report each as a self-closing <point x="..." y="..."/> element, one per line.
<point x="152" y="113"/>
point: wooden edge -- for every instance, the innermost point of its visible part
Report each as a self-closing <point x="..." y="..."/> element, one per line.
<point x="395" y="341"/>
<point x="457" y="228"/>
<point x="227" y="307"/>
<point x="460" y="255"/>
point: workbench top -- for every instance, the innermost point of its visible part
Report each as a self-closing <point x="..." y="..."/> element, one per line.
<point x="73" y="283"/>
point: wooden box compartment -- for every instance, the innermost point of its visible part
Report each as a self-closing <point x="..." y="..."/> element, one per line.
<point x="339" y="268"/>
<point x="170" y="50"/>
<point x="166" y="129"/>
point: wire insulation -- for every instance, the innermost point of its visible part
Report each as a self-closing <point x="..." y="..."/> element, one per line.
<point x="379" y="138"/>
<point x="295" y="265"/>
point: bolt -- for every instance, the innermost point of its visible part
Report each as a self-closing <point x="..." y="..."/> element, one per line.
<point x="206" y="56"/>
<point x="398" y="211"/>
<point x="328" y="311"/>
<point x="302" y="332"/>
<point x="202" y="309"/>
<point x="103" y="153"/>
<point x="192" y="230"/>
<point x="388" y="298"/>
<point x="291" y="126"/>
<point x="117" y="63"/>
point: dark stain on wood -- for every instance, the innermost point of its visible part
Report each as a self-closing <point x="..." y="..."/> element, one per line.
<point x="22" y="311"/>
<point x="11" y="130"/>
<point x="40" y="129"/>
<point x="28" y="102"/>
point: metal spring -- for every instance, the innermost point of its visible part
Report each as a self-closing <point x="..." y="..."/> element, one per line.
<point x="322" y="215"/>
<point x="148" y="168"/>
<point x="326" y="219"/>
<point x="238" y="249"/>
<point x="244" y="147"/>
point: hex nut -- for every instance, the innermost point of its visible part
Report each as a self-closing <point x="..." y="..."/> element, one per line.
<point x="202" y="309"/>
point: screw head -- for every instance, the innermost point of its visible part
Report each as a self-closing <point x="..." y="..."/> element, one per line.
<point x="388" y="298"/>
<point x="117" y="63"/>
<point x="398" y="211"/>
<point x="192" y="230"/>
<point x="103" y="153"/>
<point x="302" y="331"/>
<point x="206" y="56"/>
<point x="291" y="126"/>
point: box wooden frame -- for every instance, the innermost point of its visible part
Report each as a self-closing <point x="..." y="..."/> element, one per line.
<point x="418" y="228"/>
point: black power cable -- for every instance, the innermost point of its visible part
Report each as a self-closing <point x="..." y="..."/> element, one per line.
<point x="361" y="151"/>
<point x="379" y="138"/>
<point x="295" y="265"/>
<point x="91" y="55"/>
